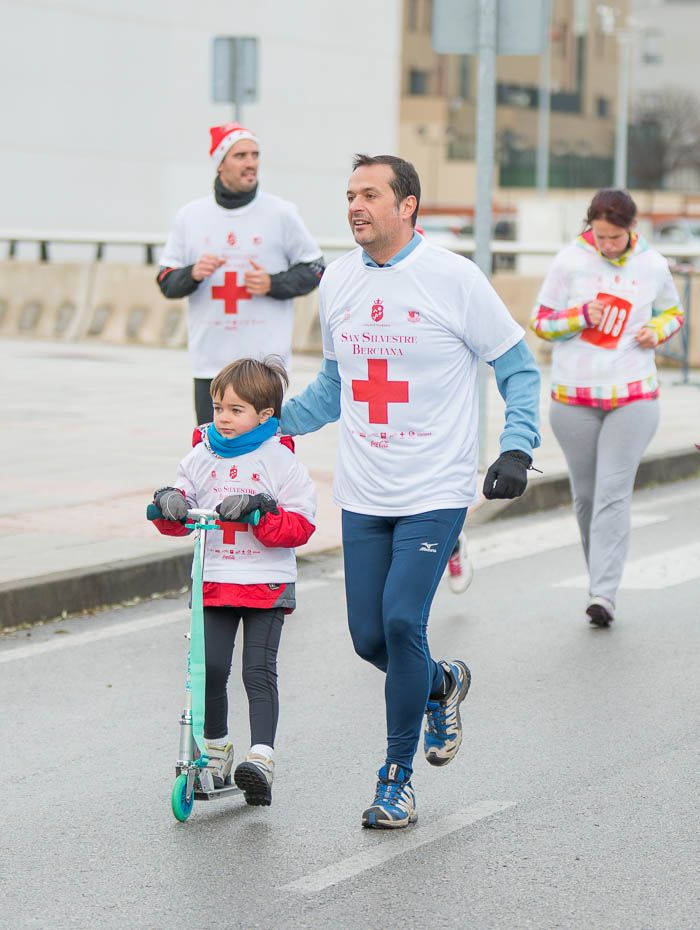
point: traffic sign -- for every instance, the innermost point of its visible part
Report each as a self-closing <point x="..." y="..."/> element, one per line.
<point x="519" y="27"/>
<point x="235" y="70"/>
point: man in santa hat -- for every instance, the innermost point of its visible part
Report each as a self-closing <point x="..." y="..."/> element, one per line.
<point x="240" y="256"/>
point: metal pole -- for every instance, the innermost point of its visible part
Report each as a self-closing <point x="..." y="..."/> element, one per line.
<point x="485" y="146"/>
<point x="623" y="48"/>
<point x="544" y="104"/>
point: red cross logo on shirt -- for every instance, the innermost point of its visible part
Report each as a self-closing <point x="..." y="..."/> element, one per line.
<point x="230" y="530"/>
<point x="230" y="292"/>
<point x="378" y="391"/>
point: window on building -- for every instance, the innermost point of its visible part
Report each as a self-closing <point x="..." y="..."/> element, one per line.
<point x="412" y="15"/>
<point x="651" y="47"/>
<point x="464" y="77"/>
<point x="428" y="16"/>
<point x="602" y="106"/>
<point x="418" y="82"/>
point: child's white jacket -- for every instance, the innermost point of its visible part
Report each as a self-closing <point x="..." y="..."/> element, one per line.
<point x="239" y="553"/>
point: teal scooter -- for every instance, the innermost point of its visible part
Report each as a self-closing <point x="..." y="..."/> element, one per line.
<point x="193" y="781"/>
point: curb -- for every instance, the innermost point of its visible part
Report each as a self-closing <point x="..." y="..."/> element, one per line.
<point x="49" y="596"/>
<point x="555" y="491"/>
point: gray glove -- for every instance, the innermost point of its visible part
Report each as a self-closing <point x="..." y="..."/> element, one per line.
<point x="233" y="507"/>
<point x="171" y="504"/>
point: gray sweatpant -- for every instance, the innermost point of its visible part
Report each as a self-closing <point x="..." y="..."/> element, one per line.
<point x="603" y="449"/>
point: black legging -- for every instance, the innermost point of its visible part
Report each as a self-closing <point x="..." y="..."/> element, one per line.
<point x="261" y="638"/>
<point x="202" y="400"/>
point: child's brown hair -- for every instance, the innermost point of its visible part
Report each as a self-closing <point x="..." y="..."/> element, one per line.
<point x="261" y="384"/>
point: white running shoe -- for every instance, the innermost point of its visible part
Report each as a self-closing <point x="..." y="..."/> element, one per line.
<point x="254" y="777"/>
<point x="220" y="763"/>
<point x="460" y="570"/>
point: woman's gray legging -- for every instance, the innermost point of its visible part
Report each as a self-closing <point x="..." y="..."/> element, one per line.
<point x="603" y="449"/>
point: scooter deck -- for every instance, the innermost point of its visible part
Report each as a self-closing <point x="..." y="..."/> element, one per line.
<point x="215" y="793"/>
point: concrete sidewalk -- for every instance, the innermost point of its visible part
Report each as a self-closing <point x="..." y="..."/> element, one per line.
<point x="74" y="534"/>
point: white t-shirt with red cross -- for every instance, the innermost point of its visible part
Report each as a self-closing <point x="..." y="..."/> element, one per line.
<point x="232" y="554"/>
<point x="407" y="339"/>
<point x="224" y="321"/>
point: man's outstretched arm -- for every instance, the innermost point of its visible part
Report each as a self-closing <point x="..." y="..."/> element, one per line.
<point x="518" y="380"/>
<point x="317" y="405"/>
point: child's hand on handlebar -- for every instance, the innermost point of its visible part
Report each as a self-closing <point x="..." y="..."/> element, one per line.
<point x="236" y="506"/>
<point x="171" y="503"/>
<point x="262" y="502"/>
<point x="233" y="507"/>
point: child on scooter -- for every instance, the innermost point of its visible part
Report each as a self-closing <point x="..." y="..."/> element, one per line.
<point x="238" y="465"/>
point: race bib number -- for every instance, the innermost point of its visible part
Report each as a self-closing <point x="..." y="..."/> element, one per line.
<point x="607" y="333"/>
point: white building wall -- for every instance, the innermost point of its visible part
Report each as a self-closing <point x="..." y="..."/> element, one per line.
<point x="665" y="34"/>
<point x="106" y="105"/>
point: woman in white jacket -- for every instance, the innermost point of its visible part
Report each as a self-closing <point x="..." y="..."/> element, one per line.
<point x="606" y="304"/>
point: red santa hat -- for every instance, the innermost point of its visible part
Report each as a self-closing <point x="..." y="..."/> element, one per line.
<point x="223" y="137"/>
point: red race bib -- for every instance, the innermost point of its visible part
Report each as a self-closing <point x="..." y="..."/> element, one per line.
<point x="616" y="313"/>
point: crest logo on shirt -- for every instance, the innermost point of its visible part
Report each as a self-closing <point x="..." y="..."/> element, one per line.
<point x="255" y="476"/>
<point x="347" y="313"/>
<point x="213" y="474"/>
<point x="257" y="239"/>
<point x="231" y="238"/>
<point x="413" y="316"/>
<point x="377" y="310"/>
<point x="232" y="472"/>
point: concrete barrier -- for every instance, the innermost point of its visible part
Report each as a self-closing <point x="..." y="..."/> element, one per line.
<point x="120" y="303"/>
<point x="42" y="301"/>
<point x="126" y="306"/>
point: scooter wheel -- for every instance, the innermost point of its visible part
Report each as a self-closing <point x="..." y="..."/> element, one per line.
<point x="182" y="808"/>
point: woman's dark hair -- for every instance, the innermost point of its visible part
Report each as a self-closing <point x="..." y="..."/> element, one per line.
<point x="614" y="205"/>
<point x="405" y="181"/>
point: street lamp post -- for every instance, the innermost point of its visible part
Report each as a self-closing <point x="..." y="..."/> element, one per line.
<point x="623" y="90"/>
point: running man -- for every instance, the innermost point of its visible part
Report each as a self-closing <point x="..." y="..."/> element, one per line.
<point x="240" y="256"/>
<point x="404" y="324"/>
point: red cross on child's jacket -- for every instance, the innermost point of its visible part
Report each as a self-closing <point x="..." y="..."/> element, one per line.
<point x="230" y="530"/>
<point x="378" y="392"/>
<point x="230" y="292"/>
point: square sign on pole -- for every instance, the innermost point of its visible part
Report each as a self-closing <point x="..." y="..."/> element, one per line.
<point x="235" y="71"/>
<point x="519" y="29"/>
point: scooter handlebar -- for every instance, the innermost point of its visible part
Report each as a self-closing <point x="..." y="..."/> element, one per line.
<point x="197" y="515"/>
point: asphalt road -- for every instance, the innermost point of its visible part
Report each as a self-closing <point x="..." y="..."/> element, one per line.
<point x="573" y="803"/>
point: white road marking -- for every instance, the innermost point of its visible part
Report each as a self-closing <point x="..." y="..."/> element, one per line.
<point x="69" y="640"/>
<point x="511" y="543"/>
<point x="664" y="569"/>
<point x="535" y="538"/>
<point x="394" y="847"/>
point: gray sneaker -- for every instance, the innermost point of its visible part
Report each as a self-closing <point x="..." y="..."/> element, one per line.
<point x="220" y="763"/>
<point x="254" y="777"/>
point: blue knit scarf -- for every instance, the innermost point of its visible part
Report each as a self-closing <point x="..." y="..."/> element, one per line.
<point x="240" y="445"/>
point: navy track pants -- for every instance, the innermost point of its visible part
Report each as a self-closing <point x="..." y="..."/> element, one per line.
<point x="393" y="566"/>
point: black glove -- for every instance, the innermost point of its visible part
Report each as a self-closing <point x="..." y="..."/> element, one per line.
<point x="232" y="507"/>
<point x="171" y="504"/>
<point x="236" y="506"/>
<point x="262" y="502"/>
<point x="507" y="477"/>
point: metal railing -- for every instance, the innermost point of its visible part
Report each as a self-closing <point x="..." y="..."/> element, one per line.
<point x="151" y="241"/>
<point x="686" y="265"/>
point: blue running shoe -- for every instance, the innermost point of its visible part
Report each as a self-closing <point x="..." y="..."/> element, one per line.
<point x="394" y="802"/>
<point x="443" y="731"/>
